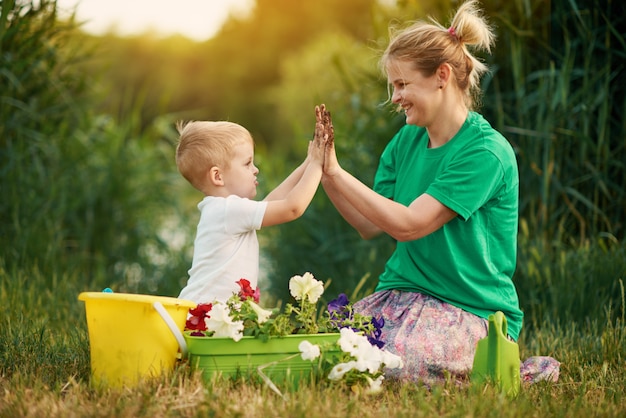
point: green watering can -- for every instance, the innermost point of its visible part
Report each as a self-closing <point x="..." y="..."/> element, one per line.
<point x="497" y="358"/>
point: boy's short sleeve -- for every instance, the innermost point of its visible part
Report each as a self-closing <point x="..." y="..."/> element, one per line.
<point x="243" y="214"/>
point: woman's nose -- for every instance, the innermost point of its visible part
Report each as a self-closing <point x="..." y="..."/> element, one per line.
<point x="396" y="97"/>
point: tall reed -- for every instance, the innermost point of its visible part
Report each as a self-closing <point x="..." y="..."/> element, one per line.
<point x="558" y="95"/>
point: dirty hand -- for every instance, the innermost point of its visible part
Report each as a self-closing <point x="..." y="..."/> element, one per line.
<point x="331" y="165"/>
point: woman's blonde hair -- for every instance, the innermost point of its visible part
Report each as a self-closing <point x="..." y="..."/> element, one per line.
<point x="429" y="45"/>
<point x="205" y="144"/>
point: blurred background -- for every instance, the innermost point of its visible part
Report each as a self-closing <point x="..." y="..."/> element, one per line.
<point x="90" y="194"/>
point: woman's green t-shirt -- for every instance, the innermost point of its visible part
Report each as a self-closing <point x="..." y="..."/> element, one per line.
<point x="470" y="261"/>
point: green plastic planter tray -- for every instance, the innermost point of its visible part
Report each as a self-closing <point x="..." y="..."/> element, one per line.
<point x="215" y="355"/>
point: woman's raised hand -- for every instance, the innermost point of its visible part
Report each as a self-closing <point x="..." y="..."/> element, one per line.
<point x="322" y="117"/>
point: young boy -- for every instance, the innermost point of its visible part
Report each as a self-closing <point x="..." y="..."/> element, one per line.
<point x="217" y="158"/>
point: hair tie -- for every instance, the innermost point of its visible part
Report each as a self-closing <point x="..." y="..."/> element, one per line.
<point x="452" y="32"/>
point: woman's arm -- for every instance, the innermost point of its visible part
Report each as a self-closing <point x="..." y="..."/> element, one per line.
<point x="369" y="212"/>
<point x="422" y="217"/>
<point x="364" y="226"/>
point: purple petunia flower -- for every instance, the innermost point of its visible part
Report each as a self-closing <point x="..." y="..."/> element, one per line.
<point x="378" y="323"/>
<point x="374" y="338"/>
<point x="339" y="311"/>
<point x="338" y="305"/>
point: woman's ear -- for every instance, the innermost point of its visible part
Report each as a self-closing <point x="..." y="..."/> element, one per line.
<point x="444" y="72"/>
<point x="215" y="176"/>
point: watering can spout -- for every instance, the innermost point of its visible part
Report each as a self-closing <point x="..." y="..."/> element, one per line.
<point x="497" y="358"/>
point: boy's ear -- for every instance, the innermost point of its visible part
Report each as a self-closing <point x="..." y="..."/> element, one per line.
<point x="215" y="176"/>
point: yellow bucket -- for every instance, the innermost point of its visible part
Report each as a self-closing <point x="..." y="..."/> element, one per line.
<point x="133" y="336"/>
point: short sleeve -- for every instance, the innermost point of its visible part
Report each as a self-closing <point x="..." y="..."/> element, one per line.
<point x="469" y="182"/>
<point x="385" y="179"/>
<point x="243" y="215"/>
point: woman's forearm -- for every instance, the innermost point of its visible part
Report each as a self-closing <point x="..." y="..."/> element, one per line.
<point x="359" y="222"/>
<point x="369" y="212"/>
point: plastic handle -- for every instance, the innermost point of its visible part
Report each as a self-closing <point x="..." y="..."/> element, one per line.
<point x="499" y="321"/>
<point x="172" y="326"/>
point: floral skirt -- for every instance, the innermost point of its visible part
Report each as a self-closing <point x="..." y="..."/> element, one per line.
<point x="437" y="341"/>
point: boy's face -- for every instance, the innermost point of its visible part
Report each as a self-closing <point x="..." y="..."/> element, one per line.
<point x="240" y="177"/>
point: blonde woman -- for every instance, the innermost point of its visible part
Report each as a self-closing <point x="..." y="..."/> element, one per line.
<point x="447" y="190"/>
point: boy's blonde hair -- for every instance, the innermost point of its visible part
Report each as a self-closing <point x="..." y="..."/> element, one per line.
<point x="206" y="144"/>
<point x="428" y="45"/>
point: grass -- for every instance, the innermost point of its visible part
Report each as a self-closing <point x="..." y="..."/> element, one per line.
<point x="44" y="370"/>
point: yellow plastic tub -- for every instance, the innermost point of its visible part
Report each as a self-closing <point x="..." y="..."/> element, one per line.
<point x="133" y="336"/>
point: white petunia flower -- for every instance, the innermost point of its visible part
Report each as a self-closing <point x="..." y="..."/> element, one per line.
<point x="222" y="324"/>
<point x="375" y="386"/>
<point x="391" y="360"/>
<point x="306" y="287"/>
<point x="369" y="357"/>
<point x="261" y="314"/>
<point x="349" y="341"/>
<point x="341" y="369"/>
<point x="309" y="351"/>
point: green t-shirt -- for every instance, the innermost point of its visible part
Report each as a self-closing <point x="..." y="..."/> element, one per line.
<point x="470" y="261"/>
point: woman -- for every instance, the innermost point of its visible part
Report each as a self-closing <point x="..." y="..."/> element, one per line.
<point x="447" y="190"/>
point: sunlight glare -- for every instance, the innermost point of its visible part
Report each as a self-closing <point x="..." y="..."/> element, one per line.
<point x="196" y="19"/>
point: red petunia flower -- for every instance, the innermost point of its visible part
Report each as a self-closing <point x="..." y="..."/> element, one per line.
<point x="196" y="321"/>
<point x="247" y="291"/>
<point x="201" y="310"/>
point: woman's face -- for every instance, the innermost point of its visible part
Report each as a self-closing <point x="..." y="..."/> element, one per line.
<point x="417" y="95"/>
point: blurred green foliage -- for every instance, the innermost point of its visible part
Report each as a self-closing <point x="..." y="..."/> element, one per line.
<point x="88" y="185"/>
<point x="79" y="192"/>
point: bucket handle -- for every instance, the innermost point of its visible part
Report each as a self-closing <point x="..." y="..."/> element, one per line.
<point x="158" y="306"/>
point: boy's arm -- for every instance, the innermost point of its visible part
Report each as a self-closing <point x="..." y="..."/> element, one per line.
<point x="296" y="202"/>
<point x="299" y="188"/>
<point x="320" y="137"/>
<point x="288" y="184"/>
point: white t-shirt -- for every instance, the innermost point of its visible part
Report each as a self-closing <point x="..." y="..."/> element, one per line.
<point x="226" y="248"/>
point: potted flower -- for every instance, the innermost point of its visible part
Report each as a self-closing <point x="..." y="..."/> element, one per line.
<point x="238" y="337"/>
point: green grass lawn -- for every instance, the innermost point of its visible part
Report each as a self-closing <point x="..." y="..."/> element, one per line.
<point x="44" y="371"/>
